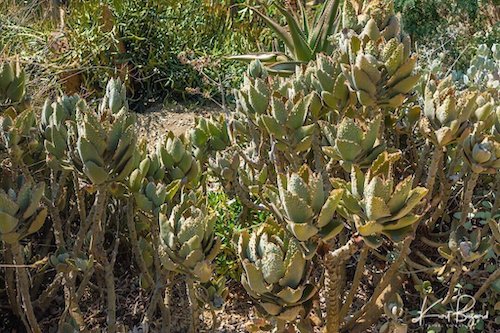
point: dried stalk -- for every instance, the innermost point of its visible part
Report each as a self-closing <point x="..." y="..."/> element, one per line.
<point x="10" y="283"/>
<point x="48" y="293"/>
<point x="453" y="283"/>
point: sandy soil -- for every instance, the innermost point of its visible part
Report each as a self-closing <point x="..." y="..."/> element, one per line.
<point x="153" y="124"/>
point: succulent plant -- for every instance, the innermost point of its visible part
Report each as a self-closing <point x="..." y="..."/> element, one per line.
<point x="306" y="208"/>
<point x="188" y="243"/>
<point x="464" y="246"/>
<point x="177" y="160"/>
<point x="209" y="135"/>
<point x="304" y="38"/>
<point x="224" y="167"/>
<point x="484" y="116"/>
<point x="212" y="293"/>
<point x="276" y="273"/>
<point x="64" y="261"/>
<point x="20" y="211"/>
<point x="56" y="120"/>
<point x="115" y="98"/>
<point x="17" y="133"/>
<point x="483" y="71"/>
<point x="376" y="59"/>
<point x="151" y="196"/>
<point x="353" y="141"/>
<point x="446" y="114"/>
<point x="12" y="82"/>
<point x="376" y="206"/>
<point x="482" y="153"/>
<point x="254" y="96"/>
<point x="106" y="146"/>
<point x="329" y="82"/>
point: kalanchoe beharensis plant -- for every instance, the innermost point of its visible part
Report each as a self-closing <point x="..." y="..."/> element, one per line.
<point x="446" y="112"/>
<point x="379" y="206"/>
<point x="19" y="139"/>
<point x="177" y="159"/>
<point x="20" y="216"/>
<point x="58" y="121"/>
<point x="463" y="249"/>
<point x="353" y="141"/>
<point x="445" y="121"/>
<point x="376" y="59"/>
<point x="115" y="98"/>
<point x="106" y="146"/>
<point x="276" y="273"/>
<point x="188" y="242"/>
<point x="306" y="208"/>
<point x="188" y="245"/>
<point x="276" y="155"/>
<point x="481" y="154"/>
<point x="12" y="85"/>
<point x="209" y="135"/>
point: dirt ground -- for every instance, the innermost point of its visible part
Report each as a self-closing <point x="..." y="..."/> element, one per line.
<point x="153" y="124"/>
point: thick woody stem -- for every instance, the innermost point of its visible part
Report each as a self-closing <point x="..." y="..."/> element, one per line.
<point x="48" y="293"/>
<point x="97" y="248"/>
<point x="385" y="281"/>
<point x="56" y="222"/>
<point x="334" y="262"/>
<point x="467" y="198"/>
<point x="420" y="165"/>
<point x="433" y="169"/>
<point x="195" y="316"/>
<point x="23" y="285"/>
<point x="135" y="244"/>
<point x="453" y="283"/>
<point x="484" y="286"/>
<point x="355" y="282"/>
<point x="80" y="200"/>
<point x="10" y="284"/>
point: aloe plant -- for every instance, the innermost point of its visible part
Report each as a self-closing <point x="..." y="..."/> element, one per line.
<point x="304" y="38"/>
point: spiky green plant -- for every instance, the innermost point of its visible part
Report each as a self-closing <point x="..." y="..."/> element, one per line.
<point x="446" y="115"/>
<point x="57" y="119"/>
<point x="115" y="98"/>
<point x="106" y="146"/>
<point x="303" y="38"/>
<point x="482" y="153"/>
<point x="20" y="212"/>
